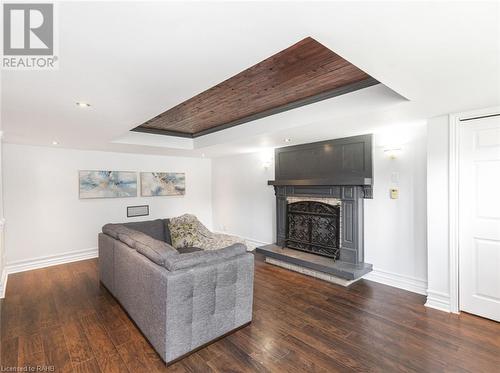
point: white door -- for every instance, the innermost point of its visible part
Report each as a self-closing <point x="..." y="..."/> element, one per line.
<point x="479" y="217"/>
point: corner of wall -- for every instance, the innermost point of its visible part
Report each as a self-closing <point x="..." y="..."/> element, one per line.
<point x="438" y="275"/>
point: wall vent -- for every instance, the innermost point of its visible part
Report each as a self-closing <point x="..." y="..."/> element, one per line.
<point x="133" y="211"/>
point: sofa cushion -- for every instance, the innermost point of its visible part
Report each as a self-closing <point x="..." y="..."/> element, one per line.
<point x="154" y="250"/>
<point x="114" y="230"/>
<point x="167" y="239"/>
<point x="186" y="250"/>
<point x="153" y="228"/>
<point x="157" y="253"/>
<point x="135" y="238"/>
<point x="182" y="261"/>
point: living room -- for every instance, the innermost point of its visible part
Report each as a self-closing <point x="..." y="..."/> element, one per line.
<point x="250" y="186"/>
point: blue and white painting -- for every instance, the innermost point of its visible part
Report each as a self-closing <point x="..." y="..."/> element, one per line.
<point x="163" y="184"/>
<point x="107" y="184"/>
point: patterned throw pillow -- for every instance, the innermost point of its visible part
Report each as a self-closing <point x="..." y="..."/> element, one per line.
<point x="182" y="231"/>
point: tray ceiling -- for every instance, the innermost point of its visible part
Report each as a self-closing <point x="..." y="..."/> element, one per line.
<point x="302" y="74"/>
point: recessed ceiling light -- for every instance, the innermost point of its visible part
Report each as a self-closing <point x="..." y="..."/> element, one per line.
<point x="203" y="155"/>
<point x="55" y="143"/>
<point x="82" y="104"/>
<point x="287" y="139"/>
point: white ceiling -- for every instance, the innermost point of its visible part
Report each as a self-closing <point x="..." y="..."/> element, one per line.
<point x="133" y="60"/>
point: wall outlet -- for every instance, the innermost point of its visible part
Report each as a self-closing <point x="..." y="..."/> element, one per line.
<point x="394" y="193"/>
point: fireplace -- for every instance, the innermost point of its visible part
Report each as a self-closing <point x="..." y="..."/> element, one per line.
<point x="320" y="190"/>
<point x="346" y="203"/>
<point x="314" y="226"/>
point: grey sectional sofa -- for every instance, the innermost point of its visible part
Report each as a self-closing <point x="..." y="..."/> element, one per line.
<point x="180" y="300"/>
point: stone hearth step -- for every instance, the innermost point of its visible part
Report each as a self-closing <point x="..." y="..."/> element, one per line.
<point x="297" y="258"/>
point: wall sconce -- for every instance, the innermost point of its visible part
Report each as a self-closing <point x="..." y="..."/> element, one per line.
<point x="393" y="153"/>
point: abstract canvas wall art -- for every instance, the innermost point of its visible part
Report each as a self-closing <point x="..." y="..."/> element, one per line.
<point x="163" y="184"/>
<point x="107" y="184"/>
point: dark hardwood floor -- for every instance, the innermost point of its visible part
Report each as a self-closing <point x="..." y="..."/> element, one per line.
<point x="61" y="317"/>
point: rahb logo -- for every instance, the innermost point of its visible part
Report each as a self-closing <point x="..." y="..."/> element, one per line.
<point x="28" y="36"/>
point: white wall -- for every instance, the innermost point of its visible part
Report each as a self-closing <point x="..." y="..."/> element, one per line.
<point x="45" y="217"/>
<point x="438" y="218"/>
<point x="243" y="202"/>
<point x="395" y="230"/>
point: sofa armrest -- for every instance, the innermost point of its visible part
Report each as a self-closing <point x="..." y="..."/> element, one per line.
<point x="106" y="247"/>
<point x="183" y="261"/>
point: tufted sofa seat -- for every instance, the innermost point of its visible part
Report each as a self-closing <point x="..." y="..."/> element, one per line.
<point x="180" y="301"/>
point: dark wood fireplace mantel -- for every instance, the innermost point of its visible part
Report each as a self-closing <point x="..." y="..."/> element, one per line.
<point x="340" y="162"/>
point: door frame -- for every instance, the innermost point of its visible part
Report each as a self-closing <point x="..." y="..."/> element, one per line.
<point x="453" y="196"/>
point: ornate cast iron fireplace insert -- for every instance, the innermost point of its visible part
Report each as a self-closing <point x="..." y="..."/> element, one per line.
<point x="314" y="227"/>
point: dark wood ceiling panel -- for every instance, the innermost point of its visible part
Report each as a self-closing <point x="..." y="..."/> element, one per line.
<point x="304" y="73"/>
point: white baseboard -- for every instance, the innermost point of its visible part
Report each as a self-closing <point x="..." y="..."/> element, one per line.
<point x="438" y="300"/>
<point x="52" y="260"/>
<point x="396" y="280"/>
<point x="253" y="244"/>
<point x="3" y="283"/>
